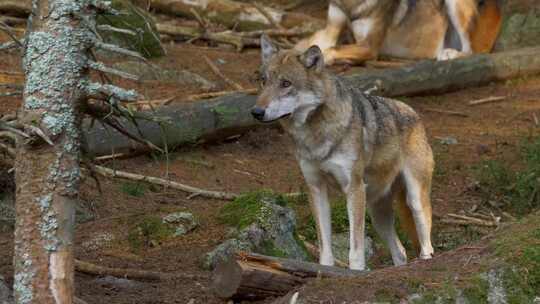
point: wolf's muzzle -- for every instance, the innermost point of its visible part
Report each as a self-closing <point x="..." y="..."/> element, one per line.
<point x="258" y="113"/>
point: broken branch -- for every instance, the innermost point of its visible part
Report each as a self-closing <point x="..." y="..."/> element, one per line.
<point x="216" y="71"/>
<point x="166" y="183"/>
<point x="132" y="274"/>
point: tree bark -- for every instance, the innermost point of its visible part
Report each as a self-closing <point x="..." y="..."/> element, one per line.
<point x="229" y="115"/>
<point x="47" y="176"/>
<point x="253" y="276"/>
<point x="232" y="14"/>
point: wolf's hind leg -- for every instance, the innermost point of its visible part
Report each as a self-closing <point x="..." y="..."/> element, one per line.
<point x="327" y="37"/>
<point x="382" y="216"/>
<point x="418" y="187"/>
<point x="356" y="210"/>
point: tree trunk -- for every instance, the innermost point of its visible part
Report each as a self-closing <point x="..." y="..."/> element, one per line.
<point x="47" y="175"/>
<point x="229" y="115"/>
<point x="252" y="276"/>
<point x="232" y="14"/>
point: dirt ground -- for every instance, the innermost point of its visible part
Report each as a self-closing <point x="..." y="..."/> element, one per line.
<point x="263" y="159"/>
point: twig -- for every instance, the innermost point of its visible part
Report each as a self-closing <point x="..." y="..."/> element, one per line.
<point x="267" y="15"/>
<point x="454" y="113"/>
<point x="467" y="220"/>
<point x="133" y="274"/>
<point x="218" y="94"/>
<point x="108" y="28"/>
<point x="98" y="66"/>
<point x="10" y="151"/>
<point x="294" y="32"/>
<point x="116" y="156"/>
<point x="486" y="100"/>
<point x="167" y="183"/>
<point x="216" y="71"/>
<point x="7" y="29"/>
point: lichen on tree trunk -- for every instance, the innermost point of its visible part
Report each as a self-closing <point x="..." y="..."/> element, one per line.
<point x="47" y="176"/>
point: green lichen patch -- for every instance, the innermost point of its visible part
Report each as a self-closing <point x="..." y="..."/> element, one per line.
<point x="249" y="208"/>
<point x="133" y="189"/>
<point x="150" y="231"/>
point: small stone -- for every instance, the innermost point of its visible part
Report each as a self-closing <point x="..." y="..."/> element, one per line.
<point x="482" y="149"/>
<point x="183" y="222"/>
<point x="221" y="61"/>
<point x="448" y="141"/>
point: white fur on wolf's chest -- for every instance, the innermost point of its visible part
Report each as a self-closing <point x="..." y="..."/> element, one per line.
<point x="340" y="166"/>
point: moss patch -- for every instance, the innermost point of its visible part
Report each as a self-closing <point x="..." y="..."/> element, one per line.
<point x="248" y="208"/>
<point x="133" y="189"/>
<point x="150" y="231"/>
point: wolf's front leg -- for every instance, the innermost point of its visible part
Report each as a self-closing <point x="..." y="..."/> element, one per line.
<point x="320" y="207"/>
<point x="356" y="208"/>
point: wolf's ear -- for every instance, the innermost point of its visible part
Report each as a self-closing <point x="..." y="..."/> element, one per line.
<point x="313" y="58"/>
<point x="268" y="49"/>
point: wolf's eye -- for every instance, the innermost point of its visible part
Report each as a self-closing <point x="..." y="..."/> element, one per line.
<point x="285" y="84"/>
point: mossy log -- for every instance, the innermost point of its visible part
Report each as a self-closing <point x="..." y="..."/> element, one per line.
<point x="240" y="15"/>
<point x="252" y="276"/>
<point x="229" y="115"/>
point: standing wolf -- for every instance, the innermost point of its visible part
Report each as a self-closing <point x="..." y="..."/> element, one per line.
<point x="413" y="29"/>
<point x="373" y="149"/>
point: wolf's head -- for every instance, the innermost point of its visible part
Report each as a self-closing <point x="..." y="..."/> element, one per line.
<point x="292" y="83"/>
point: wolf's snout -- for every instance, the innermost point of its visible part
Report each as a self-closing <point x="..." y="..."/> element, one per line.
<point x="258" y="113"/>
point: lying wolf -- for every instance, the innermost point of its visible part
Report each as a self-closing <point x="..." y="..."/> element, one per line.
<point x="373" y="149"/>
<point x="413" y="29"/>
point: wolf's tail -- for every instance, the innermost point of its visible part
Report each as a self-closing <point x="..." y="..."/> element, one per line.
<point x="486" y="29"/>
<point x="406" y="220"/>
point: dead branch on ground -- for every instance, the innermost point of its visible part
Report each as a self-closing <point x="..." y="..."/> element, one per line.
<point x="163" y="182"/>
<point x="132" y="274"/>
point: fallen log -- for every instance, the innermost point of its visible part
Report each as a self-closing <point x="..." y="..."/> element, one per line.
<point x="239" y="15"/>
<point x="229" y="115"/>
<point x="186" y="32"/>
<point x="15" y="8"/>
<point x="252" y="276"/>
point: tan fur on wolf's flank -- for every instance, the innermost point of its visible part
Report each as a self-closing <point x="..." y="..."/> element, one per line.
<point x="486" y="29"/>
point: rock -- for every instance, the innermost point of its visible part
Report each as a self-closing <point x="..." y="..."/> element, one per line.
<point x="496" y="291"/>
<point x="448" y="140"/>
<point x="183" y="77"/>
<point x="5" y="292"/>
<point x="146" y="41"/>
<point x="340" y="246"/>
<point x="225" y="251"/>
<point x="519" y="30"/>
<point x="99" y="241"/>
<point x="271" y="232"/>
<point x="182" y="222"/>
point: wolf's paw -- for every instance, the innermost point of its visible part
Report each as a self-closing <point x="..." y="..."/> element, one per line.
<point x="428" y="256"/>
<point x="448" y="54"/>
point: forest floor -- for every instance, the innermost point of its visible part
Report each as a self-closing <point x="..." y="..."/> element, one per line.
<point x="263" y="159"/>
